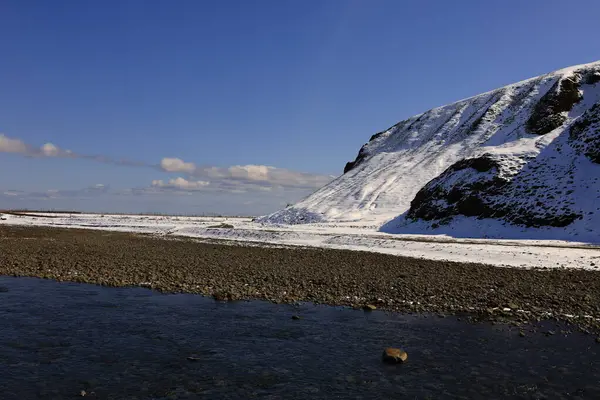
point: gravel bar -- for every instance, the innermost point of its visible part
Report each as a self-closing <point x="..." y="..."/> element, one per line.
<point x="288" y="275"/>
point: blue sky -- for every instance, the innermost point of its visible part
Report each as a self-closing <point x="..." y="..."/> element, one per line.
<point x="253" y="104"/>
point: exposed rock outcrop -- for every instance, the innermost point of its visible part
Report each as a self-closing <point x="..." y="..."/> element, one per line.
<point x="585" y="134"/>
<point x="549" y="112"/>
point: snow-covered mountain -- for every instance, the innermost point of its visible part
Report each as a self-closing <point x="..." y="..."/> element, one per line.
<point x="525" y="155"/>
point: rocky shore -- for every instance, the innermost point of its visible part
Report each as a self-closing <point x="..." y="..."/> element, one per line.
<point x="350" y="278"/>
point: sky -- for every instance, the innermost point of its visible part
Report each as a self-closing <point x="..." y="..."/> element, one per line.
<point x="242" y="107"/>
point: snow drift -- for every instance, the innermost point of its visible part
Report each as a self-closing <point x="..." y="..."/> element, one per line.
<point x="525" y="155"/>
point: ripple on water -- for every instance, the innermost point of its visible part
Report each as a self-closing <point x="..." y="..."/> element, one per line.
<point x="58" y="339"/>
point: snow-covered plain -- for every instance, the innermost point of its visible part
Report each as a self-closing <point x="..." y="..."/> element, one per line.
<point x="526" y="156"/>
<point x="509" y="253"/>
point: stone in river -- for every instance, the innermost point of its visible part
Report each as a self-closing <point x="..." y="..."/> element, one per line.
<point x="394" y="356"/>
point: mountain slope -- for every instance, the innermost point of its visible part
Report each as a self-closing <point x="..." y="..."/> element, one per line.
<point x="527" y="154"/>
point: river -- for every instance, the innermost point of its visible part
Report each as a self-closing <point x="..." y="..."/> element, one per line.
<point x="64" y="340"/>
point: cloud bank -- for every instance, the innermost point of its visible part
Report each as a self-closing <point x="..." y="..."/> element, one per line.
<point x="8" y="145"/>
<point x="235" y="179"/>
<point x="176" y="165"/>
<point x="50" y="150"/>
<point x="261" y="175"/>
<point x="180" y="183"/>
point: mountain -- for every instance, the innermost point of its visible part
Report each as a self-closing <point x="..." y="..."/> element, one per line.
<point x="526" y="155"/>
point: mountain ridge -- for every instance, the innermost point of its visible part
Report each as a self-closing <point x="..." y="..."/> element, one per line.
<point x="541" y="133"/>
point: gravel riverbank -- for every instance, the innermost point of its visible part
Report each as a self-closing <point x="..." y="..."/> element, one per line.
<point x="337" y="277"/>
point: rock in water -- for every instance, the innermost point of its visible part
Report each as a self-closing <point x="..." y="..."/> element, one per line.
<point x="222" y="296"/>
<point x="394" y="356"/>
<point x="369" y="307"/>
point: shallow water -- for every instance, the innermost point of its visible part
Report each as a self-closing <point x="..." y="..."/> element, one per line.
<point x="57" y="339"/>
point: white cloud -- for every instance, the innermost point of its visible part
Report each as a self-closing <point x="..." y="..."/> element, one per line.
<point x="180" y="183"/>
<point x="50" y="150"/>
<point x="253" y="174"/>
<point x="177" y="165"/>
<point x="250" y="172"/>
<point x="8" y="145"/>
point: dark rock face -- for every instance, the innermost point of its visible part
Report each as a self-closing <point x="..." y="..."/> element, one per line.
<point x="349" y="165"/>
<point x="592" y="77"/>
<point x="360" y="157"/>
<point x="363" y="153"/>
<point x="377" y="135"/>
<point x="547" y="114"/>
<point x="584" y="134"/>
<point x="480" y="164"/>
<point x="490" y="112"/>
<point x="476" y="188"/>
<point x="468" y="196"/>
<point x="526" y="218"/>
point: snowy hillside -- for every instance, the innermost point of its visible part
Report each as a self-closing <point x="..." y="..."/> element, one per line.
<point x="526" y="155"/>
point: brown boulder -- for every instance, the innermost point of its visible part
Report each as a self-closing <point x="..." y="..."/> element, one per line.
<point x="394" y="356"/>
